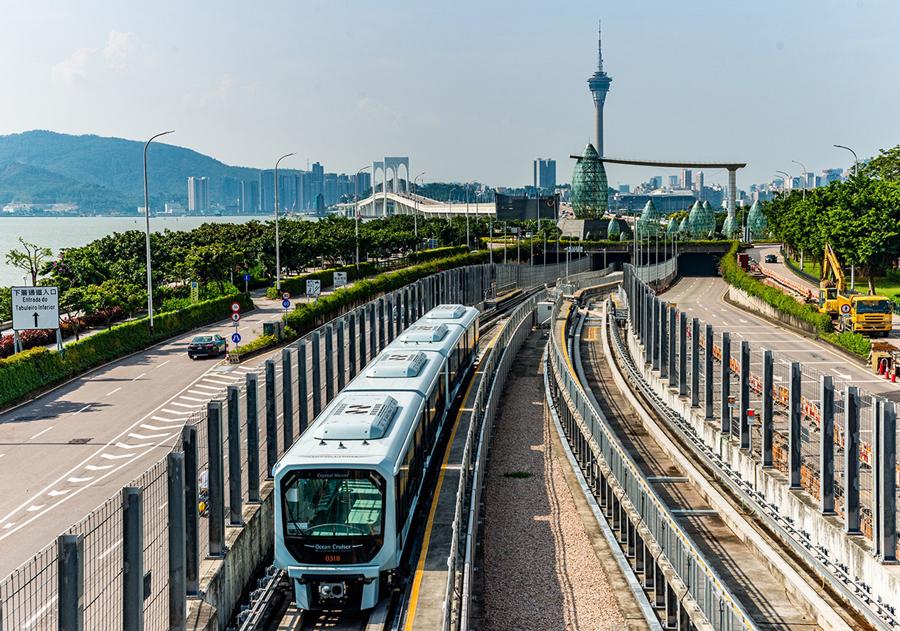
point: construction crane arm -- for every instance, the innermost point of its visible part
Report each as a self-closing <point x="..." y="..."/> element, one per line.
<point x="831" y="266"/>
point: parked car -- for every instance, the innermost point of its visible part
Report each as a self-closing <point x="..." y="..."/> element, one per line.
<point x="771" y="258"/>
<point x="207" y="346"/>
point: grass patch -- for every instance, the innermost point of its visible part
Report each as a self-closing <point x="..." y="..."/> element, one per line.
<point x="519" y="475"/>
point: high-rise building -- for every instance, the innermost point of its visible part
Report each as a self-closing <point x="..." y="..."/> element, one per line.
<point x="687" y="180"/>
<point x="830" y="175"/>
<point x="267" y="191"/>
<point x="545" y="175"/>
<point x="698" y="182"/>
<point x="599" y="85"/>
<point x="363" y="182"/>
<point x="198" y="194"/>
<point x="624" y="188"/>
<point x="231" y="194"/>
<point x="330" y="193"/>
<point x="249" y="197"/>
<point x="317" y="182"/>
<point x="655" y="182"/>
<point x="673" y="181"/>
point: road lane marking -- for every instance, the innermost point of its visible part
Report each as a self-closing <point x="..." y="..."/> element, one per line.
<point x="137" y="436"/>
<point x="39" y="613"/>
<point x="117" y="456"/>
<point x="168" y="411"/>
<point x="56" y="493"/>
<point x="97" y="467"/>
<point x="168" y="420"/>
<point x="109" y="550"/>
<point x="111" y="392"/>
<point x="183" y="396"/>
<point x="82" y="409"/>
<point x="9" y="525"/>
<point x="203" y="394"/>
<point x="139" y="376"/>
<point x="153" y="428"/>
<point x="76" y="480"/>
<point x="43" y="431"/>
<point x="122" y="445"/>
<point x="211" y="388"/>
<point x="162" y="364"/>
<point x="184" y="405"/>
<point x="34" y="507"/>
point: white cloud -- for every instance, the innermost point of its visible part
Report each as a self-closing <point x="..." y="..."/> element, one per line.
<point x="83" y="62"/>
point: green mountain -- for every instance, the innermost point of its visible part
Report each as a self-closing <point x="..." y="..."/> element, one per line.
<point x="25" y="183"/>
<point x="112" y="164"/>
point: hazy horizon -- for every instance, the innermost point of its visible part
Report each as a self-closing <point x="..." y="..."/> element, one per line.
<point x="470" y="91"/>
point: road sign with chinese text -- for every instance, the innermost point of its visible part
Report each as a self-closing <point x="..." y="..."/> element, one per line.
<point x="35" y="308"/>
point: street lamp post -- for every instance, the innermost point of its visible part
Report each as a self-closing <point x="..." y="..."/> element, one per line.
<point x="468" y="247"/>
<point x="416" y="213"/>
<point x="855" y="159"/>
<point x="803" y="176"/>
<point x="147" y="232"/>
<point x="277" y="240"/>
<point x="356" y="212"/>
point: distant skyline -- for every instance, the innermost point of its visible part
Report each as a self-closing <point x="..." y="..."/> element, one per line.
<point x="469" y="90"/>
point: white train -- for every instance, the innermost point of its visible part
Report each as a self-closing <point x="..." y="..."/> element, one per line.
<point x="347" y="490"/>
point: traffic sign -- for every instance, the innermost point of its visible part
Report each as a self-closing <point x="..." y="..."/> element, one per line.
<point x="246" y="278"/>
<point x="195" y="291"/>
<point x="235" y="306"/>
<point x="235" y="316"/>
<point x="236" y="337"/>
<point x="35" y="308"/>
<point x="286" y="295"/>
<point x="313" y="287"/>
<point x="340" y="279"/>
<point x="286" y="303"/>
<point x="845" y="309"/>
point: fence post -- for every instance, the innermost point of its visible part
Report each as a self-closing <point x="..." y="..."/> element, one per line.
<point x="302" y="388"/>
<point x="826" y="445"/>
<point x="316" y="374"/>
<point x="767" y="431"/>
<point x="673" y="375"/>
<point x="373" y="331"/>
<point x="663" y="333"/>
<point x="339" y="348"/>
<point x="362" y="336"/>
<point x="406" y="296"/>
<point x="192" y="518"/>
<point x="271" y="419"/>
<point x="695" y="363"/>
<point x="235" y="507"/>
<point x="216" y="479"/>
<point x="252" y="381"/>
<point x="708" y="376"/>
<point x="70" y="581"/>
<point x="682" y="354"/>
<point x="794" y="415"/>
<point x="380" y="324"/>
<point x="287" y="397"/>
<point x="351" y="343"/>
<point x="726" y="382"/>
<point x="133" y="558"/>
<point x="389" y="308"/>
<point x="886" y="464"/>
<point x="177" y="551"/>
<point x="851" y="460"/>
<point x="654" y="334"/>
<point x="744" y="421"/>
<point x="329" y="363"/>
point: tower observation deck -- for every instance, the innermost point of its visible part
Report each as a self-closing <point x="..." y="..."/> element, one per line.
<point x="599" y="85"/>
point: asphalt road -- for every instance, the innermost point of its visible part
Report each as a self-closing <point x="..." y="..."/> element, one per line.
<point x="64" y="453"/>
<point x="702" y="297"/>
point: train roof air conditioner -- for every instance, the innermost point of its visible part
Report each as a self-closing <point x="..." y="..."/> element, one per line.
<point x="359" y="417"/>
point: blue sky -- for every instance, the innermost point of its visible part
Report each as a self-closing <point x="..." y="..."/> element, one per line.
<point x="469" y="90"/>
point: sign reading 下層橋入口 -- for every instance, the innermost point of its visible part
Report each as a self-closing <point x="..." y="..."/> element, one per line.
<point x="35" y="308"/>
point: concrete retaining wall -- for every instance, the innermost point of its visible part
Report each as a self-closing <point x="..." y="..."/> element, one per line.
<point x="854" y="551"/>
<point x="744" y="300"/>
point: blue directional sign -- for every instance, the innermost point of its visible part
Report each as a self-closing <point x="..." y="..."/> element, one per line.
<point x="246" y="278"/>
<point x="286" y="303"/>
<point x="236" y="337"/>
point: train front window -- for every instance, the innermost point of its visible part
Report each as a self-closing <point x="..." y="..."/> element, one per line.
<point x="333" y="503"/>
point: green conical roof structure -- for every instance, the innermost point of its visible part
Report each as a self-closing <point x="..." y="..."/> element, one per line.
<point x="623" y="236"/>
<point x="730" y="227"/>
<point x="757" y="221"/>
<point x="648" y="222"/>
<point x="613" y="230"/>
<point x="701" y="220"/>
<point x="590" y="192"/>
<point x="683" y="226"/>
<point x="672" y="228"/>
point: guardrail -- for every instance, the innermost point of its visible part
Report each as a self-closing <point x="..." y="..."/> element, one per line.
<point x="512" y="275"/>
<point x="495" y="367"/>
<point x="658" y="272"/>
<point x="717" y="604"/>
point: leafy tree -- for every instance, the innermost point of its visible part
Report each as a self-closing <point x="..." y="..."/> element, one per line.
<point x="30" y="258"/>
<point x="884" y="166"/>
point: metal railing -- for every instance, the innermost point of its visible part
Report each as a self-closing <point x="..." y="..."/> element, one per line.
<point x="717" y="604"/>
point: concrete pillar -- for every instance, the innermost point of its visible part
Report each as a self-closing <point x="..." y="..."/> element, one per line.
<point x="794" y="415"/>
<point x="695" y="363"/>
<point x="133" y="557"/>
<point x="851" y="460"/>
<point x="329" y="363"/>
<point x="302" y="388"/>
<point x="192" y="519"/>
<point x="663" y="341"/>
<point x="682" y="354"/>
<point x="673" y="374"/>
<point x="216" y="479"/>
<point x="732" y="191"/>
<point x="271" y="419"/>
<point x="287" y="397"/>
<point x="252" y="437"/>
<point x="176" y="538"/>
<point x="744" y="421"/>
<point x="351" y="344"/>
<point x="316" y="374"/>
<point x="767" y="431"/>
<point x="885" y="470"/>
<point x="826" y="445"/>
<point x="726" y="382"/>
<point x="70" y="582"/>
<point x="235" y="493"/>
<point x="339" y="354"/>
<point x="649" y="569"/>
<point x="708" y="375"/>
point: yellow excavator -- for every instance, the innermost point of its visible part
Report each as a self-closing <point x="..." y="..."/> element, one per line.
<point x="850" y="310"/>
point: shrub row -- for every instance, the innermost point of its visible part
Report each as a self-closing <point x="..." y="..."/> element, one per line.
<point x="27" y="372"/>
<point x="733" y="274"/>
<point x="42" y="337"/>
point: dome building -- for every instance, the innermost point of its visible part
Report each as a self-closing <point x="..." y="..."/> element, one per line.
<point x="590" y="194"/>
<point x="757" y="221"/>
<point x="701" y="221"/>
<point x="613" y="230"/>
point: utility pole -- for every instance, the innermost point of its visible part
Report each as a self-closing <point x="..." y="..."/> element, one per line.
<point x="277" y="240"/>
<point x="147" y="232"/>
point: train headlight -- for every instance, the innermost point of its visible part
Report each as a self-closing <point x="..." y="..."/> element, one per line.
<point x="331" y="591"/>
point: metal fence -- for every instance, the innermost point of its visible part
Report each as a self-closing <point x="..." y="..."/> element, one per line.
<point x="603" y="449"/>
<point x="215" y="453"/>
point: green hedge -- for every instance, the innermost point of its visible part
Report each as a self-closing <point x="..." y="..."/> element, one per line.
<point x="24" y="373"/>
<point x="856" y="343"/>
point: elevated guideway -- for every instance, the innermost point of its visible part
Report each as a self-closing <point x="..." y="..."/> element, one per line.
<point x="381" y="204"/>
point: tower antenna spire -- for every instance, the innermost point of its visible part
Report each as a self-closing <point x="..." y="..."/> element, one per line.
<point x="599" y="47"/>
